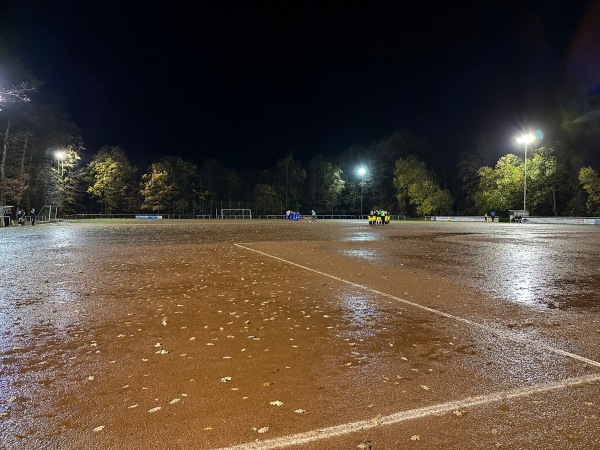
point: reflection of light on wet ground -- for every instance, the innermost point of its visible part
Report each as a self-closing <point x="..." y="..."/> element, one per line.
<point x="61" y="237"/>
<point x="524" y="272"/>
<point x="359" y="253"/>
<point x="523" y="265"/>
<point x="62" y="296"/>
<point x="66" y="305"/>
<point x="362" y="236"/>
<point x="523" y="292"/>
<point x="360" y="312"/>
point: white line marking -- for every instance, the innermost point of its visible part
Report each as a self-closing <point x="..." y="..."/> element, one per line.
<point x="338" y="430"/>
<point x="324" y="433"/>
<point x="487" y="328"/>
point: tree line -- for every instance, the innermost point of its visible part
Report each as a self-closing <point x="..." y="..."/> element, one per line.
<point x="44" y="161"/>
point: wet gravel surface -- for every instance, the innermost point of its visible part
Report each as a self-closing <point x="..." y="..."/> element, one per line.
<point x="209" y="334"/>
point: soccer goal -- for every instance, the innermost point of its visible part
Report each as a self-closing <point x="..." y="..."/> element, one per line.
<point x="48" y="213"/>
<point x="236" y="213"/>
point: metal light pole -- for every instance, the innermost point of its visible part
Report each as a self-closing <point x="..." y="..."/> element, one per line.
<point x="525" y="139"/>
<point x="361" y="172"/>
<point x="525" y="180"/>
<point x="60" y="156"/>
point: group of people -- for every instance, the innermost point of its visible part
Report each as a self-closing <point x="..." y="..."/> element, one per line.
<point x="379" y="217"/>
<point x="491" y="217"/>
<point x="294" y="215"/>
<point x="21" y="217"/>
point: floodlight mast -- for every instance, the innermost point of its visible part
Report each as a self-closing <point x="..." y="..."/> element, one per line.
<point x="60" y="156"/>
<point x="362" y="171"/>
<point x="526" y="140"/>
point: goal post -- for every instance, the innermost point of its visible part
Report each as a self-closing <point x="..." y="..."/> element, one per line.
<point x="236" y="213"/>
<point x="48" y="213"/>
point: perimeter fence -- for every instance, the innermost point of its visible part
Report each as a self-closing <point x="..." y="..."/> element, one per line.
<point x="86" y="216"/>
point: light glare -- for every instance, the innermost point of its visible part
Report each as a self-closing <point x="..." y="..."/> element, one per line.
<point x="526" y="139"/>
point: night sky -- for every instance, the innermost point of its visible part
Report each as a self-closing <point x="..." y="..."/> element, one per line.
<point x="248" y="82"/>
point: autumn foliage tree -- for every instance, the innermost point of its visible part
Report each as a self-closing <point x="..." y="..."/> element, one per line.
<point x="14" y="141"/>
<point x="112" y="180"/>
<point x="548" y="186"/>
<point x="500" y="187"/>
<point x="590" y="181"/>
<point x="265" y="198"/>
<point x="32" y="131"/>
<point x="290" y="177"/>
<point x="169" y="186"/>
<point x="418" y="187"/>
<point x="157" y="191"/>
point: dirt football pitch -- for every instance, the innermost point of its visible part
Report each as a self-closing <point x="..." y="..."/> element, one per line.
<point x="268" y="334"/>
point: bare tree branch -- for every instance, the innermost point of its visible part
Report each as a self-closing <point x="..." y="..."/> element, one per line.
<point x="18" y="93"/>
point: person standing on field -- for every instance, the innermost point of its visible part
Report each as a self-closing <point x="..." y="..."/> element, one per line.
<point x="32" y="216"/>
<point x="20" y="217"/>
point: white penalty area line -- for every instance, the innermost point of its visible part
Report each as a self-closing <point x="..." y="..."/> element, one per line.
<point x="339" y="430"/>
<point x="488" y="329"/>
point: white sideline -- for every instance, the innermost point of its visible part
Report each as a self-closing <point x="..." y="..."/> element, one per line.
<point x="338" y="430"/>
<point x="488" y="329"/>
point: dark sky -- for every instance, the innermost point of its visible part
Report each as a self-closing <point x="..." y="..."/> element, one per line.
<point x="248" y="82"/>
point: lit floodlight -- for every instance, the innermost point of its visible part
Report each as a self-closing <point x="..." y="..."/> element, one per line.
<point x="526" y="139"/>
<point x="362" y="171"/>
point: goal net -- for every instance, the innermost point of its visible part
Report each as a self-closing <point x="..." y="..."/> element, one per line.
<point x="48" y="213"/>
<point x="236" y="213"/>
